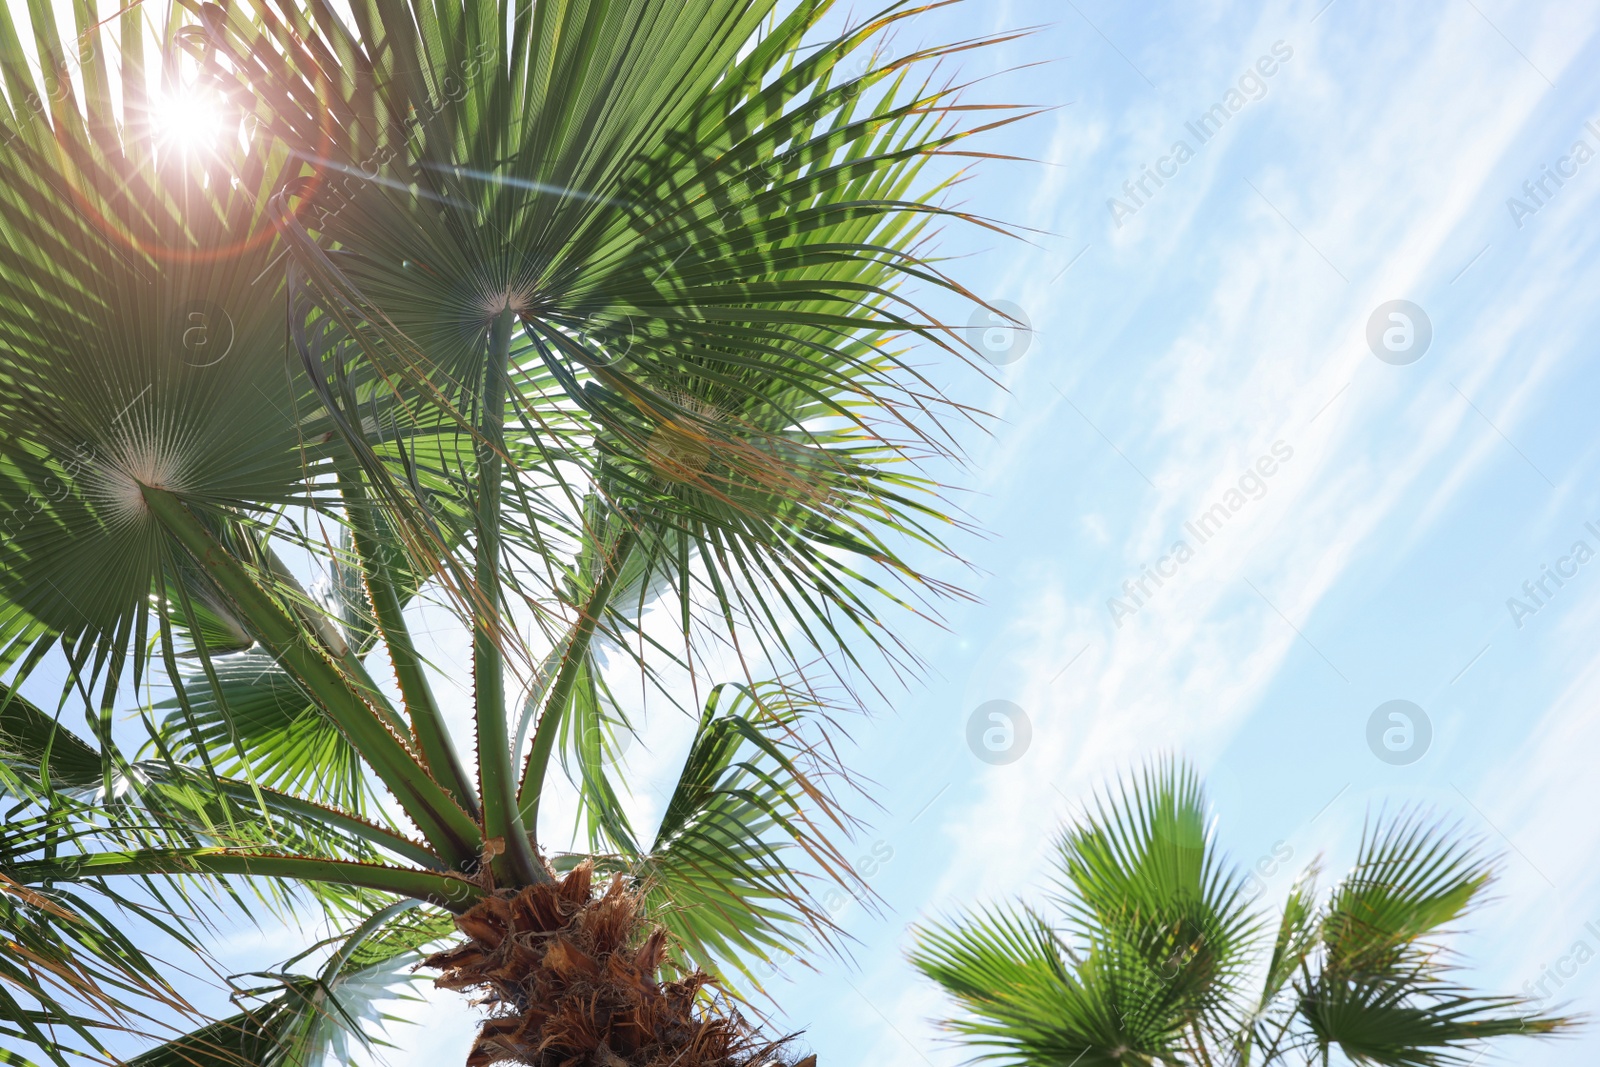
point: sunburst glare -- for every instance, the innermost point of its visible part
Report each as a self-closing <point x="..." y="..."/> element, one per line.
<point x="190" y="120"/>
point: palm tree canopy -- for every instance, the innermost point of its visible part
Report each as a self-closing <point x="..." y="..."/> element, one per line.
<point x="542" y="314"/>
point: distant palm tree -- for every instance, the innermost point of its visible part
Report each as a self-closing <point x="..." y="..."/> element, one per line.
<point x="1155" y="954"/>
<point x="548" y="313"/>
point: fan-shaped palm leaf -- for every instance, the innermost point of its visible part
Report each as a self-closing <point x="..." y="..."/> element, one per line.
<point x="1148" y="959"/>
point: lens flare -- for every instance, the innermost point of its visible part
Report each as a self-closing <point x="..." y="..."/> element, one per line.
<point x="190" y="120"/>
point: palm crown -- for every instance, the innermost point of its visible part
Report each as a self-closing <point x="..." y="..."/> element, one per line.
<point x="548" y="312"/>
<point x="1156" y="953"/>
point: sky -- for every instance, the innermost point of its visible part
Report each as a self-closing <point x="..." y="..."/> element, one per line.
<point x="1390" y="488"/>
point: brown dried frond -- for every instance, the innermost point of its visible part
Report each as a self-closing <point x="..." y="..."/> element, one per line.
<point x="570" y="976"/>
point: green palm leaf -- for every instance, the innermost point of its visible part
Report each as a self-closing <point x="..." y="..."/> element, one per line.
<point x="1409" y="1025"/>
<point x="258" y="723"/>
<point x="1148" y="960"/>
<point x="751" y="823"/>
<point x="35" y="744"/>
<point x="1384" y="993"/>
<point x="1410" y="879"/>
<point x="722" y="306"/>
<point x="314" y="1016"/>
<point x="148" y="354"/>
<point x="1142" y="872"/>
<point x="1029" y="1001"/>
<point x="70" y="974"/>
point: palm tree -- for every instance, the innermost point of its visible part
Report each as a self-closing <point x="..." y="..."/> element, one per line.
<point x="1156" y="954"/>
<point x="320" y="317"/>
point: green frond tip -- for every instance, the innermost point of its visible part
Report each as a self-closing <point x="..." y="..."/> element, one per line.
<point x="300" y="1020"/>
<point x="1152" y="946"/>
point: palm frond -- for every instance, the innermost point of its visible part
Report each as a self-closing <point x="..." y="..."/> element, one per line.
<point x="705" y="266"/>
<point x="554" y="313"/>
<point x="752" y="823"/>
<point x="1383" y="993"/>
<point x="313" y="1017"/>
<point x="1411" y="878"/>
<point x="1409" y="1025"/>
<point x="1156" y="938"/>
<point x="1028" y="1003"/>
<point x="148" y="353"/>
<point x="70" y="974"/>
<point x="1141" y="873"/>
<point x="259" y="724"/>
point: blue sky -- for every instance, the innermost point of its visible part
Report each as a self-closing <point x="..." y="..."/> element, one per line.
<point x="1186" y="341"/>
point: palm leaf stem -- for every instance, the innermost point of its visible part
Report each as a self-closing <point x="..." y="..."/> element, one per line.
<point x="448" y="828"/>
<point x="427" y="722"/>
<point x="451" y="891"/>
<point x="328" y="633"/>
<point x="318" y="622"/>
<point x="513" y="860"/>
<point x="577" y="649"/>
<point x="315" y="813"/>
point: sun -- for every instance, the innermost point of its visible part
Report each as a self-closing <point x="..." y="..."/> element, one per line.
<point x="191" y="120"/>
